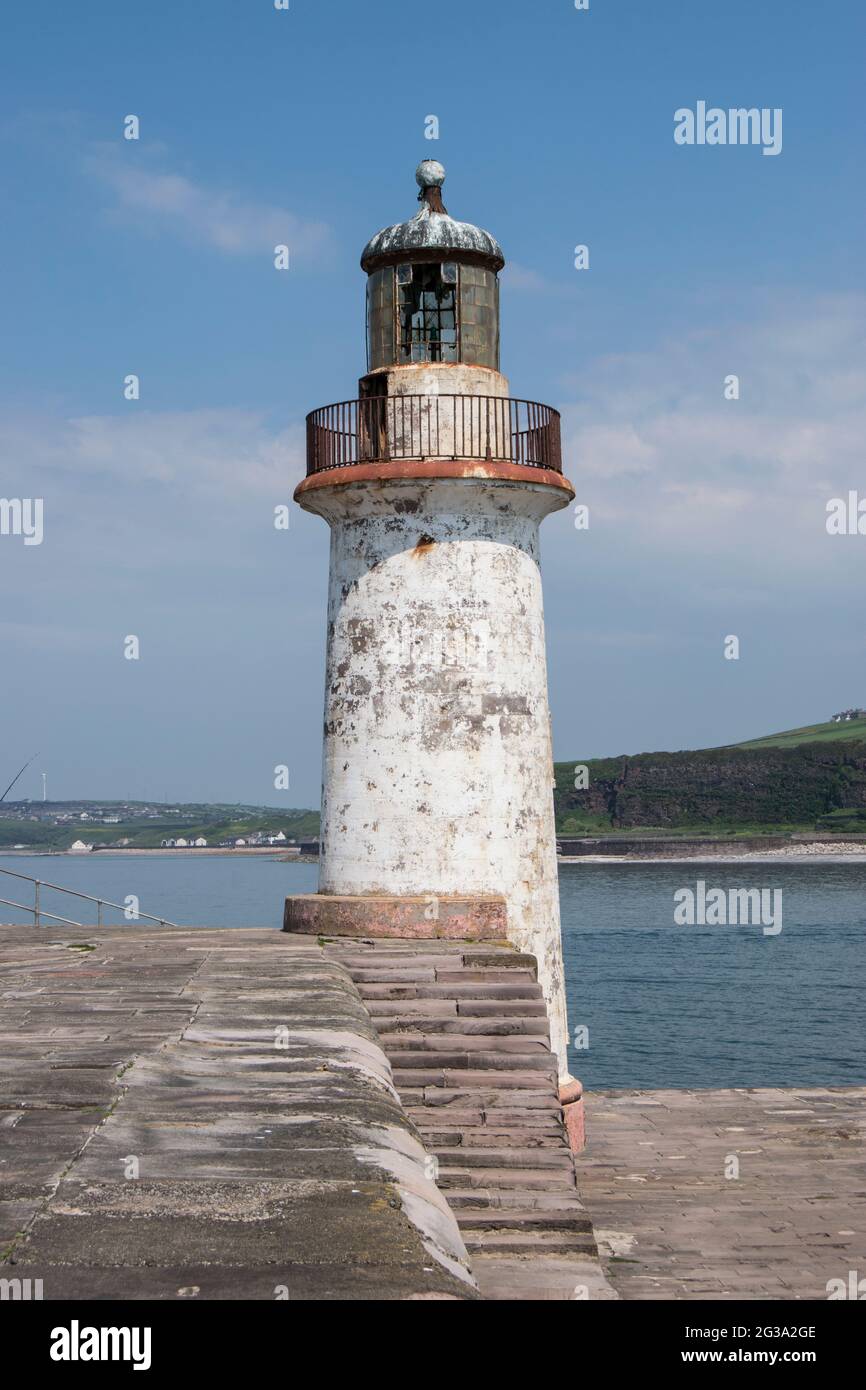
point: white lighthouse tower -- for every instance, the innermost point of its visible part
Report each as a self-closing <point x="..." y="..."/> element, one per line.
<point x="437" y="805"/>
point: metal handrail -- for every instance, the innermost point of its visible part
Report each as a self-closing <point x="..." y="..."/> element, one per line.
<point x="386" y="428"/>
<point x="39" y="912"/>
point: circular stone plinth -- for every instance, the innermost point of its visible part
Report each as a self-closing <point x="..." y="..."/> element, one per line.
<point x="472" y="918"/>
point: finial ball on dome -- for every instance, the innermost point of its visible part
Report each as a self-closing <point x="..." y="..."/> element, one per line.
<point x="430" y="174"/>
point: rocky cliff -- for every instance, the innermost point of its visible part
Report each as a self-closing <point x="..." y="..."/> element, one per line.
<point x="720" y="786"/>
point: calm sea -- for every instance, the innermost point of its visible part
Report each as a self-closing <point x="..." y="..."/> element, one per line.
<point x="663" y="1005"/>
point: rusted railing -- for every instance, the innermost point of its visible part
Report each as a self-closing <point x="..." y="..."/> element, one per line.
<point x="383" y="428"/>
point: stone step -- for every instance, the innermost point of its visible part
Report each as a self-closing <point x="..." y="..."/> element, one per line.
<point x="420" y="1008"/>
<point x="573" y="1220"/>
<point x="491" y="1094"/>
<point x="479" y="1059"/>
<point x="452" y="1174"/>
<point x="484" y="977"/>
<point x="359" y="946"/>
<point x="521" y="1045"/>
<point x="447" y="972"/>
<point x="474" y="992"/>
<point x="428" y="1117"/>
<point x="555" y="1160"/>
<point x="513" y="1199"/>
<point x="394" y="974"/>
<point x="501" y="960"/>
<point x="430" y="952"/>
<point x="420" y="1073"/>
<point x="477" y="1118"/>
<point x="411" y="1023"/>
<point x="547" y="1132"/>
<point x="377" y="960"/>
<point x="486" y="1136"/>
<point x="529" y="1243"/>
<point x="502" y="1008"/>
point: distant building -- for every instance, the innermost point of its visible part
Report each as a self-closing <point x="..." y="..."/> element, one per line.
<point x="239" y="844"/>
<point x="167" y="844"/>
<point x="200" y="843"/>
<point x="79" y="847"/>
<point x="181" y="844"/>
<point x="846" y="714"/>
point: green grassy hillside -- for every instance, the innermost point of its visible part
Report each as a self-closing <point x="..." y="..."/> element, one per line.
<point x="806" y="779"/>
<point x="215" y="823"/>
<point x="845" y="732"/>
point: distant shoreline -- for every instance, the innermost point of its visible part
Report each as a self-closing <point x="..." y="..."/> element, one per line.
<point x="665" y="852"/>
<point x="275" y="852"/>
<point x="803" y="852"/>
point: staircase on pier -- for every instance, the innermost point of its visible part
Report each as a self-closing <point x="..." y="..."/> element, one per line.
<point x="464" y="1026"/>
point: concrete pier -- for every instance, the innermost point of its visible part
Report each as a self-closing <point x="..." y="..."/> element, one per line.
<point x="245" y="1114"/>
<point x="206" y="1114"/>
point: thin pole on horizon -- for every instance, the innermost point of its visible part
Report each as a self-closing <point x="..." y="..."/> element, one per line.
<point x="44" y="787"/>
<point x="17" y="775"/>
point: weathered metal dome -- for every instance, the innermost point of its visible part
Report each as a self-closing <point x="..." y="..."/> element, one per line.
<point x="431" y="234"/>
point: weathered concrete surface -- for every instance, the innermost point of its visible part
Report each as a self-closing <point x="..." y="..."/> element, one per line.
<point x="470" y="919"/>
<point x="438" y="378"/>
<point x="437" y="757"/>
<point x="206" y="1113"/>
<point x="413" y="418"/>
<point x="670" y="1224"/>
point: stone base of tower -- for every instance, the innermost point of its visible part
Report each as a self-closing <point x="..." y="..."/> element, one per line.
<point x="475" y="917"/>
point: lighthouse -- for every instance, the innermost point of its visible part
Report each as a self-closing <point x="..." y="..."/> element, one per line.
<point x="437" y="783"/>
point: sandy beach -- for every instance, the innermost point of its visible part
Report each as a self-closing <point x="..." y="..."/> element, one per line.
<point x="792" y="854"/>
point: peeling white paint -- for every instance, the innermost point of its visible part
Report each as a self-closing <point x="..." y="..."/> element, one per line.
<point x="437" y="773"/>
<point x="432" y="231"/>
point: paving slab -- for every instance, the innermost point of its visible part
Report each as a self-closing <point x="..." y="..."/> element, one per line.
<point x="752" y="1193"/>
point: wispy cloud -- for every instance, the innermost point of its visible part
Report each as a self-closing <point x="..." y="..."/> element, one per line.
<point x="227" y="451"/>
<point x="521" y="277"/>
<point x="160" y="200"/>
<point x="154" y="493"/>
<point x="654" y="445"/>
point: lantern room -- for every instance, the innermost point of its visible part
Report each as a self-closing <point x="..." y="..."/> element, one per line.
<point x="433" y="287"/>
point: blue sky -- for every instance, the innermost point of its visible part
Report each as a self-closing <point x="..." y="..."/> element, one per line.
<point x="556" y="128"/>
